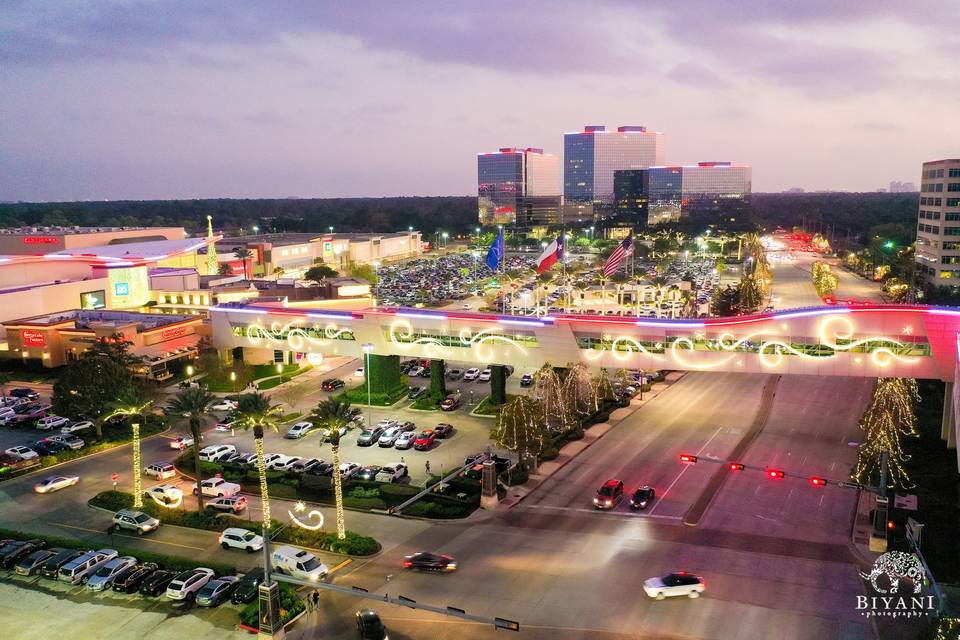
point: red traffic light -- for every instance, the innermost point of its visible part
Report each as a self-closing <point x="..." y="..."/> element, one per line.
<point x="817" y="481"/>
<point x="891" y="525"/>
<point x="775" y="473"/>
<point x="686" y="457"/>
<point x="735" y="466"/>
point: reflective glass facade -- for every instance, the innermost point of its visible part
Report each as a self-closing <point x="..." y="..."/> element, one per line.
<point x="518" y="188"/>
<point x="591" y="157"/>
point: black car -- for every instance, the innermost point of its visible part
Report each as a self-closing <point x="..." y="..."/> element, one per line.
<point x="51" y="567"/>
<point x="415" y="392"/>
<point x="48" y="447"/>
<point x="156" y="583"/>
<point x="424" y="561"/>
<point x="16" y="551"/>
<point x="246" y="590"/>
<point x="32" y="563"/>
<point x="368" y="472"/>
<point x="370" y="626"/>
<point x="130" y="579"/>
<point x="642" y="497"/>
<point x="332" y="384"/>
<point x="322" y="469"/>
<point x="443" y="430"/>
<point x="526" y="380"/>
<point x="24" y="393"/>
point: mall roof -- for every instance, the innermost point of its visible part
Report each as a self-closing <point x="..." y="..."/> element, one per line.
<point x="282" y="239"/>
<point x="117" y="255"/>
<point x="67" y="231"/>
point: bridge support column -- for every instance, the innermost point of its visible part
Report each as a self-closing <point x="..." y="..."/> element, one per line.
<point x="948" y="430"/>
<point x="498" y="384"/>
<point x="384" y="373"/>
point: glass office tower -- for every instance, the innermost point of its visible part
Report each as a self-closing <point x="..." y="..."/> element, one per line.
<point x="714" y="192"/>
<point x="591" y="156"/>
<point x="518" y="187"/>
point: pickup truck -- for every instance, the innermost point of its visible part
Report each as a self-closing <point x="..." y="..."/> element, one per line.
<point x="217" y="487"/>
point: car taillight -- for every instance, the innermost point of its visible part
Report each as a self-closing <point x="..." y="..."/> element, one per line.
<point x="407" y="563"/>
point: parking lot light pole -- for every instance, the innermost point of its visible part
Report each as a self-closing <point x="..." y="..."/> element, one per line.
<point x="367" y="348"/>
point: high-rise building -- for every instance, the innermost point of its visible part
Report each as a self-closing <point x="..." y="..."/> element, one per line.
<point x="518" y="187"/>
<point x="631" y="188"/>
<point x="938" y="223"/>
<point x="592" y="155"/>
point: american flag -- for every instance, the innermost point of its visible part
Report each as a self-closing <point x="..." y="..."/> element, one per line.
<point x="616" y="258"/>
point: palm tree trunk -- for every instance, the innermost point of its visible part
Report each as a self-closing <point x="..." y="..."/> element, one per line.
<point x="338" y="486"/>
<point x="137" y="481"/>
<point x="262" y="471"/>
<point x="195" y="432"/>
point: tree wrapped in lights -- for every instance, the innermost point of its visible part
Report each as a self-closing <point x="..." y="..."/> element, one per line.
<point x="520" y="428"/>
<point x="602" y="390"/>
<point x="132" y="405"/>
<point x="336" y="417"/>
<point x="578" y="391"/>
<point x="751" y="294"/>
<point x="547" y="390"/>
<point x="257" y="414"/>
<point x="825" y="281"/>
<point x="889" y="416"/>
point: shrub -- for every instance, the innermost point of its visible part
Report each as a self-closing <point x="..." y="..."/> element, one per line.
<point x="365" y="492"/>
<point x="646" y="386"/>
<point x="290" y="607"/>
<point x="515" y="475"/>
<point x="551" y="453"/>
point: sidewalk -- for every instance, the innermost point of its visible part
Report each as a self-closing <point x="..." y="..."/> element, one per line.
<point x="572" y="449"/>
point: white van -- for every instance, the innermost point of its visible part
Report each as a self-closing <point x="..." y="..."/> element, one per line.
<point x="75" y="571"/>
<point x="298" y="563"/>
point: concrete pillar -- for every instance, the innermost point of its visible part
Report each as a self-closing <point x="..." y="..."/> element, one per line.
<point x="947" y="429"/>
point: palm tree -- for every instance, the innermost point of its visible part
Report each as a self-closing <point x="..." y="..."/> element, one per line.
<point x="194" y="405"/>
<point x="255" y="412"/>
<point x="243" y="254"/>
<point x="336" y="415"/>
<point x="132" y="406"/>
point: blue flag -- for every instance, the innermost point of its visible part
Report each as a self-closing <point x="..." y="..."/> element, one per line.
<point x="495" y="254"/>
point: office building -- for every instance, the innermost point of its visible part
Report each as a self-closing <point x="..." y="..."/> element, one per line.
<point x="518" y="187"/>
<point x="711" y="192"/>
<point x="593" y="155"/>
<point x="631" y="188"/>
<point x="938" y="223"/>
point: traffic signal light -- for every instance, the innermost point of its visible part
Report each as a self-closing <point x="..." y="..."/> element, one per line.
<point x="686" y="457"/>
<point x="735" y="466"/>
<point x="891" y="525"/>
<point x="817" y="481"/>
<point x="775" y="473"/>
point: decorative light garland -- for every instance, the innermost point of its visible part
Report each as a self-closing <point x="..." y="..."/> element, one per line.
<point x="137" y="481"/>
<point x="889" y="416"/>
<point x="300" y="507"/>
<point x="264" y="491"/>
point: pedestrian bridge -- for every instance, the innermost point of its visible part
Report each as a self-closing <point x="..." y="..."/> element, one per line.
<point x="867" y="340"/>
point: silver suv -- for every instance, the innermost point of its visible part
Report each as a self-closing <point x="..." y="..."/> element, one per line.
<point x="135" y="521"/>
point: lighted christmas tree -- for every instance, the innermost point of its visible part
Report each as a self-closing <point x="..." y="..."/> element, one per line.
<point x="578" y="391"/>
<point x="602" y="389"/>
<point x="547" y="390"/>
<point x="889" y="416"/>
<point x="520" y="427"/>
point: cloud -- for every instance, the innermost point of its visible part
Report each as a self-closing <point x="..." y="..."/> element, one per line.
<point x="696" y="75"/>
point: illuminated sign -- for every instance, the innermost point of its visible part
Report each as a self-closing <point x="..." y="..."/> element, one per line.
<point x="40" y="240"/>
<point x="33" y="338"/>
<point x="327" y="247"/>
<point x="173" y="332"/>
<point x="93" y="299"/>
<point x="121" y="289"/>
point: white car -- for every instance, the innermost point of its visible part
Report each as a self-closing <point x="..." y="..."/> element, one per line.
<point x="283" y="463"/>
<point x="160" y="470"/>
<point x="299" y="429"/>
<point x="76" y="426"/>
<point x="217" y="487"/>
<point x="484" y="375"/>
<point x="415" y="371"/>
<point x="389" y="437"/>
<point x="405" y="440"/>
<point x="166" y="494"/>
<point x="471" y="374"/>
<point x="52" y="422"/>
<point x="188" y="583"/>
<point x="348" y="470"/>
<point x="326" y="433"/>
<point x="224" y="405"/>
<point x="55" y="483"/>
<point x="359" y="372"/>
<point x="217" y="452"/>
<point x="23" y="453"/>
<point x="392" y="472"/>
<point x="181" y="442"/>
<point x="228" y="423"/>
<point x="237" y="538"/>
<point x="674" y="584"/>
<point x="102" y="579"/>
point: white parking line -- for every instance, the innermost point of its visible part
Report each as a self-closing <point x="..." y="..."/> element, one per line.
<point x="682" y="471"/>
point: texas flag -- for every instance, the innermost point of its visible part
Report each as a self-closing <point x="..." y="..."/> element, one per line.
<point x="552" y="254"/>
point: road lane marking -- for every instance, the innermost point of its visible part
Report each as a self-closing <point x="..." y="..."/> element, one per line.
<point x="120" y="535"/>
<point x="329" y="573"/>
<point x="682" y="471"/>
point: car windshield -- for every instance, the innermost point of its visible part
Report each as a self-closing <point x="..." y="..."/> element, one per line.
<point x="310" y="565"/>
<point x="105" y="571"/>
<point x="140" y="519"/>
<point x="247" y="537"/>
<point x="606" y="490"/>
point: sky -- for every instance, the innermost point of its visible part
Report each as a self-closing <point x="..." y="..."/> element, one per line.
<point x="315" y="98"/>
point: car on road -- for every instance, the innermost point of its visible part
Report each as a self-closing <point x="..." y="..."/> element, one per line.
<point x="392" y="472"/>
<point x="55" y="483"/>
<point x="23" y="392"/>
<point x="369" y="436"/>
<point x="415" y="392"/>
<point x="471" y="374"/>
<point x="224" y="405"/>
<point x="248" y="586"/>
<point x="130" y="580"/>
<point x="68" y="440"/>
<point x="227" y="424"/>
<point x="187" y="583"/>
<point x="217" y="452"/>
<point x="526" y="380"/>
<point x="484" y="375"/>
<point x="405" y="440"/>
<point x="424" y="561"/>
<point x="454" y="374"/>
<point x="102" y="578"/>
<point x="299" y="429"/>
<point x="22" y="453"/>
<point x="675" y="584"/>
<point x="231" y="504"/>
<point x="425" y="440"/>
<point x="451" y="402"/>
<point x="156" y="583"/>
<point x="298" y="563"/>
<point x="52" y="422"/>
<point x="182" y="442"/>
<point x="389" y="437"/>
<point x="217" y="591"/>
<point x="160" y="471"/>
<point x="305" y="464"/>
<point x="135" y="521"/>
<point x="166" y="494"/>
<point x="444" y="430"/>
<point x="32" y="563"/>
<point x="217" y="487"/>
<point x="369" y="472"/>
<point x="609" y="494"/>
<point x="51" y="567"/>
<point x="74" y="427"/>
<point x="348" y="470"/>
<point x="237" y="538"/>
<point x="332" y="384"/>
<point x="642" y="497"/>
<point x="370" y="626"/>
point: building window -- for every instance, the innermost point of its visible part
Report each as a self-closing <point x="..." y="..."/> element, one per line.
<point x="953" y="202"/>
<point x="953" y="187"/>
<point x="951" y="231"/>
<point x="951" y="216"/>
<point x="954" y="173"/>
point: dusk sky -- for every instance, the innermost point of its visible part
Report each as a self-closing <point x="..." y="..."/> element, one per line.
<point x="183" y="99"/>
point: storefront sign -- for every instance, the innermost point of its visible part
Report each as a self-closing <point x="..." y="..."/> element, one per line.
<point x="33" y="338"/>
<point x="40" y="240"/>
<point x="121" y="289"/>
<point x="173" y="332"/>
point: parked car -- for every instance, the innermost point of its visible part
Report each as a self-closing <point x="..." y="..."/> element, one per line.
<point x="444" y="430"/>
<point x="484" y="375"/>
<point x="23" y="392"/>
<point x="389" y="437"/>
<point x="46" y="447"/>
<point x="160" y="471"/>
<point x="237" y="538"/>
<point x="248" y="586"/>
<point x="22" y="453"/>
<point x="454" y="374"/>
<point x="368" y="472"/>
<point x="325" y="434"/>
<point x="405" y="440"/>
<point x="157" y="582"/>
<point x="415" y="371"/>
<point x="41" y="412"/>
<point x="55" y="483"/>
<point x="283" y="463"/>
<point x="135" y="521"/>
<point x="392" y="472"/>
<point x="369" y="436"/>
<point x="299" y="429"/>
<point x="226" y="404"/>
<point x="386" y="423"/>
<point x="370" y="626"/>
<point x="471" y="374"/>
<point x="217" y="487"/>
<point x="451" y="402"/>
<point x="526" y="380"/>
<point x="188" y="583"/>
<point x="642" y="497"/>
<point x="609" y="494"/>
<point x="305" y="464"/>
<point x="348" y="470"/>
<point x="232" y="504"/>
<point x="228" y="423"/>
<point x="182" y="442"/>
<point x="415" y="392"/>
<point x="245" y="459"/>
<point x="424" y="561"/>
<point x="51" y="567"/>
<point x="425" y="440"/>
<point x="217" y="591"/>
<point x="130" y="580"/>
<point x="332" y="384"/>
<point x="674" y="584"/>
<point x="102" y="578"/>
<point x="68" y="440"/>
<point x="31" y="564"/>
<point x="216" y="452"/>
<point x="166" y="494"/>
<point x="78" y="570"/>
<point x="52" y="422"/>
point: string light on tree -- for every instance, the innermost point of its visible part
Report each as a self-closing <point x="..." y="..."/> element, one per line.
<point x="890" y="415"/>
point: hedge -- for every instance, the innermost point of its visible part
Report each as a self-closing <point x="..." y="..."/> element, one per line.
<point x="290" y="607"/>
<point x="358" y="395"/>
<point x="354" y="544"/>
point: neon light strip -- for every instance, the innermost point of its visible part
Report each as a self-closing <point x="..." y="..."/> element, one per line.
<point x="669" y="323"/>
<point x="522" y="323"/>
<point x="416" y="314"/>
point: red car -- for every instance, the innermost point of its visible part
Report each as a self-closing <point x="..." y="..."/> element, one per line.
<point x="425" y="440"/>
<point x="450" y="403"/>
